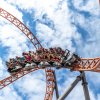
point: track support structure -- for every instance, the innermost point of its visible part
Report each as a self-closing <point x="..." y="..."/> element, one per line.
<point x="85" y="88"/>
<point x="56" y="86"/>
<point x="82" y="78"/>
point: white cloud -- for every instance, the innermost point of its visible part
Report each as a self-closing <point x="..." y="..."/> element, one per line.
<point x="10" y="36"/>
<point x="59" y="13"/>
<point x="2" y="69"/>
<point x="91" y="25"/>
<point x="9" y="94"/>
<point x="98" y="96"/>
<point x="62" y="34"/>
<point x="33" y="85"/>
<point x="91" y="6"/>
<point x="12" y="9"/>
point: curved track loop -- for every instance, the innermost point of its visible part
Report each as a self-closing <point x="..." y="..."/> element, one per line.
<point x="14" y="77"/>
<point x="49" y="80"/>
<point x="21" y="26"/>
<point x="92" y="64"/>
<point x="36" y="44"/>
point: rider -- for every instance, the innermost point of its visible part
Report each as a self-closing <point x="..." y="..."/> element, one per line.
<point x="69" y="58"/>
<point x="27" y="57"/>
<point x="13" y="65"/>
<point x="9" y="65"/>
<point x="32" y="54"/>
<point x="21" y="61"/>
<point x="59" y="50"/>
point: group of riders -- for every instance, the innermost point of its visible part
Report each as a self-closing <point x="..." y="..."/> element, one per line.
<point x="42" y="57"/>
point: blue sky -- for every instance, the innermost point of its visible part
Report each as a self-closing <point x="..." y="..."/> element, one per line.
<point x="71" y="24"/>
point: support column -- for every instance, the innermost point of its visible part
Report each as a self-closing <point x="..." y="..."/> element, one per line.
<point x="71" y="87"/>
<point x="85" y="88"/>
<point x="56" y="87"/>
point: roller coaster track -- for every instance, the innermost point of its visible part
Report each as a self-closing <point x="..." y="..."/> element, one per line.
<point x="36" y="44"/>
<point x="16" y="76"/>
<point x="91" y="64"/>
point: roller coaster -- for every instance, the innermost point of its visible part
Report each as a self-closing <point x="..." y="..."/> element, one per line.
<point x="47" y="59"/>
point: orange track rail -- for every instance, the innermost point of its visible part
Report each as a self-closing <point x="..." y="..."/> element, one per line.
<point x="22" y="27"/>
<point x="15" y="77"/>
<point x="50" y="84"/>
<point x="49" y="80"/>
<point x="33" y="40"/>
<point x="92" y="64"/>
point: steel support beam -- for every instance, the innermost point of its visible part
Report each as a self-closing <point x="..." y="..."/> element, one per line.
<point x="56" y="86"/>
<point x="71" y="87"/>
<point x="85" y="88"/>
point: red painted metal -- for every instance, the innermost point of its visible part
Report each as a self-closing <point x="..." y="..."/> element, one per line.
<point x="22" y="27"/>
<point x="14" y="77"/>
<point x="50" y="84"/>
<point x="50" y="81"/>
<point x="33" y="40"/>
<point x="90" y="64"/>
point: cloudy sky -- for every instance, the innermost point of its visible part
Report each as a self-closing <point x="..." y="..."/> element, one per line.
<point x="71" y="24"/>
